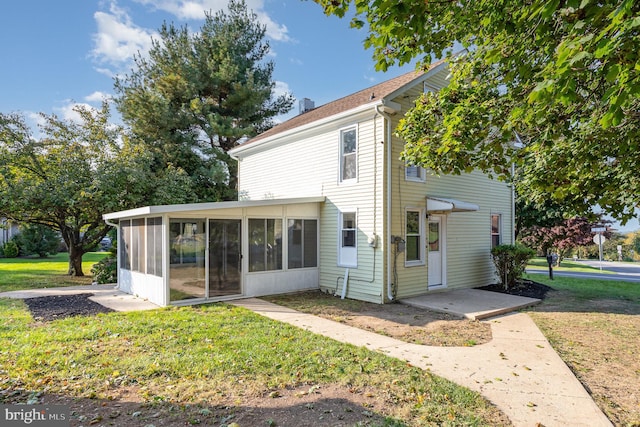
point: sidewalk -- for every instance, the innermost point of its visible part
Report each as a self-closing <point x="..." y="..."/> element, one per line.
<point x="517" y="370"/>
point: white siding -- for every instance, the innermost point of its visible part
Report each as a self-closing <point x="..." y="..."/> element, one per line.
<point x="310" y="167"/>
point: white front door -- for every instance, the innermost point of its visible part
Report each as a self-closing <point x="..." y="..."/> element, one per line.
<point x="435" y="248"/>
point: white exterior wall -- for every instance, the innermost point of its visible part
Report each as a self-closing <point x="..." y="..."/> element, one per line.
<point x="142" y="285"/>
<point x="308" y="165"/>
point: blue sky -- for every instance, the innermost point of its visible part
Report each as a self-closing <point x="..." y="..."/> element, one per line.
<point x="56" y="54"/>
<point x="59" y="53"/>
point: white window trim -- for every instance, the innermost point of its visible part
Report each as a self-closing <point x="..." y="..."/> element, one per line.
<point x="341" y="155"/>
<point x="421" y="178"/>
<point x="422" y="243"/>
<point x="343" y="259"/>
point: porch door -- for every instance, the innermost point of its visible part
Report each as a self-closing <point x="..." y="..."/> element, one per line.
<point x="225" y="259"/>
<point x="435" y="250"/>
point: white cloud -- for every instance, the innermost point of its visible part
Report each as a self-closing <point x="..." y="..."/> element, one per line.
<point x="98" y="96"/>
<point x="118" y="39"/>
<point x="68" y="112"/>
<point x="195" y="10"/>
<point x="281" y="88"/>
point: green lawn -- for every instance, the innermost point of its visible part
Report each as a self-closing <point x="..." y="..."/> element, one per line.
<point x="34" y="272"/>
<point x="208" y="355"/>
<point x="203" y="354"/>
<point x="591" y="289"/>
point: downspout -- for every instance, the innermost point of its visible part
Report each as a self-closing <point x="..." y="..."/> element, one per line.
<point x="388" y="214"/>
<point x="513" y="205"/>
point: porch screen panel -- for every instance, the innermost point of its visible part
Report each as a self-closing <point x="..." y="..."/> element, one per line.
<point x="138" y="245"/>
<point x="154" y="246"/>
<point x="125" y="244"/>
<point x="187" y="259"/>
<point x="265" y="244"/>
<point x="303" y="243"/>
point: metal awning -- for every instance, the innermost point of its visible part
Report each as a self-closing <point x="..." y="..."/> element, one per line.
<point x="441" y="204"/>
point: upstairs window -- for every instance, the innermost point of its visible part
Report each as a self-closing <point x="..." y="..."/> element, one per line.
<point x="348" y="154"/>
<point x="414" y="173"/>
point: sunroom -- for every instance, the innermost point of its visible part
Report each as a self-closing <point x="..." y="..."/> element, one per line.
<point x="195" y="253"/>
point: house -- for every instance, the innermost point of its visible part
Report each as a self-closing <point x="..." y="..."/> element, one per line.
<point x="8" y="229"/>
<point x="324" y="203"/>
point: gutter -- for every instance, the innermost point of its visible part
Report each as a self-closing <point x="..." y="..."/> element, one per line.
<point x="388" y="226"/>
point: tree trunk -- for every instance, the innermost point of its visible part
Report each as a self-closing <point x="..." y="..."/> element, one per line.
<point x="75" y="261"/>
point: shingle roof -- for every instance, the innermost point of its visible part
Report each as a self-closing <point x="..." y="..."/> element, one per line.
<point x="346" y="103"/>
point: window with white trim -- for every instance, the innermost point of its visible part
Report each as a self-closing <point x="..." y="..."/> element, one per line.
<point x="414" y="173"/>
<point x="414" y="237"/>
<point x="496" y="230"/>
<point x="348" y="154"/>
<point x="348" y="245"/>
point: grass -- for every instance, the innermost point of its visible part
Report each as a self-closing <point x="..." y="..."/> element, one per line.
<point x="35" y="273"/>
<point x="591" y="289"/>
<point x="214" y="354"/>
<point x="198" y="354"/>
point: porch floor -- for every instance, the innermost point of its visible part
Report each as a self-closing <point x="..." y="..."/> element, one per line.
<point x="470" y="303"/>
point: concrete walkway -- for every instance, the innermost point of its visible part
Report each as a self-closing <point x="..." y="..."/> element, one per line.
<point x="517" y="370"/>
<point x="107" y="295"/>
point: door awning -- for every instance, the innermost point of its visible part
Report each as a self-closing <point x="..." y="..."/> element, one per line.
<point x="441" y="204"/>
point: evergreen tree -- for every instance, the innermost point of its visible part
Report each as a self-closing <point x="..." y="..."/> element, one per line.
<point x="197" y="95"/>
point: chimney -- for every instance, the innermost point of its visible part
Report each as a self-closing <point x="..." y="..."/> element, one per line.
<point x="305" y="105"/>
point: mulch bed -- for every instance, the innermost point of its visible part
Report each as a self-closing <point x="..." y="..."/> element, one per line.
<point x="524" y="288"/>
<point x="60" y="306"/>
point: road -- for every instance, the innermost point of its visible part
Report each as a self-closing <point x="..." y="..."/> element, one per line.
<point x="623" y="271"/>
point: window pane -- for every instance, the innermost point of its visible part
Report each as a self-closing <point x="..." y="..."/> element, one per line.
<point x="187" y="268"/>
<point x="349" y="141"/>
<point x="349" y="167"/>
<point x="495" y="224"/>
<point x="257" y="245"/>
<point x="413" y="222"/>
<point x="413" y="172"/>
<point x="348" y="153"/>
<point x="349" y="220"/>
<point x="154" y="246"/>
<point x="349" y="229"/>
<point x="413" y="248"/>
<point x="434" y="236"/>
<point x="294" y="229"/>
<point x="274" y="244"/>
<point x="310" y="244"/>
<point x="125" y="236"/>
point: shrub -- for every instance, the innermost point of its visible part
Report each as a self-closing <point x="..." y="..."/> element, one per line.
<point x="510" y="262"/>
<point x="105" y="271"/>
<point x="38" y="239"/>
<point x="10" y="249"/>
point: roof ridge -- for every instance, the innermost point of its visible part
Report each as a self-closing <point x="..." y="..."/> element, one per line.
<point x="345" y="103"/>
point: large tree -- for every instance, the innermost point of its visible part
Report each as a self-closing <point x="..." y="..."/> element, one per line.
<point x="73" y="174"/>
<point x="561" y="79"/>
<point x="196" y="95"/>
